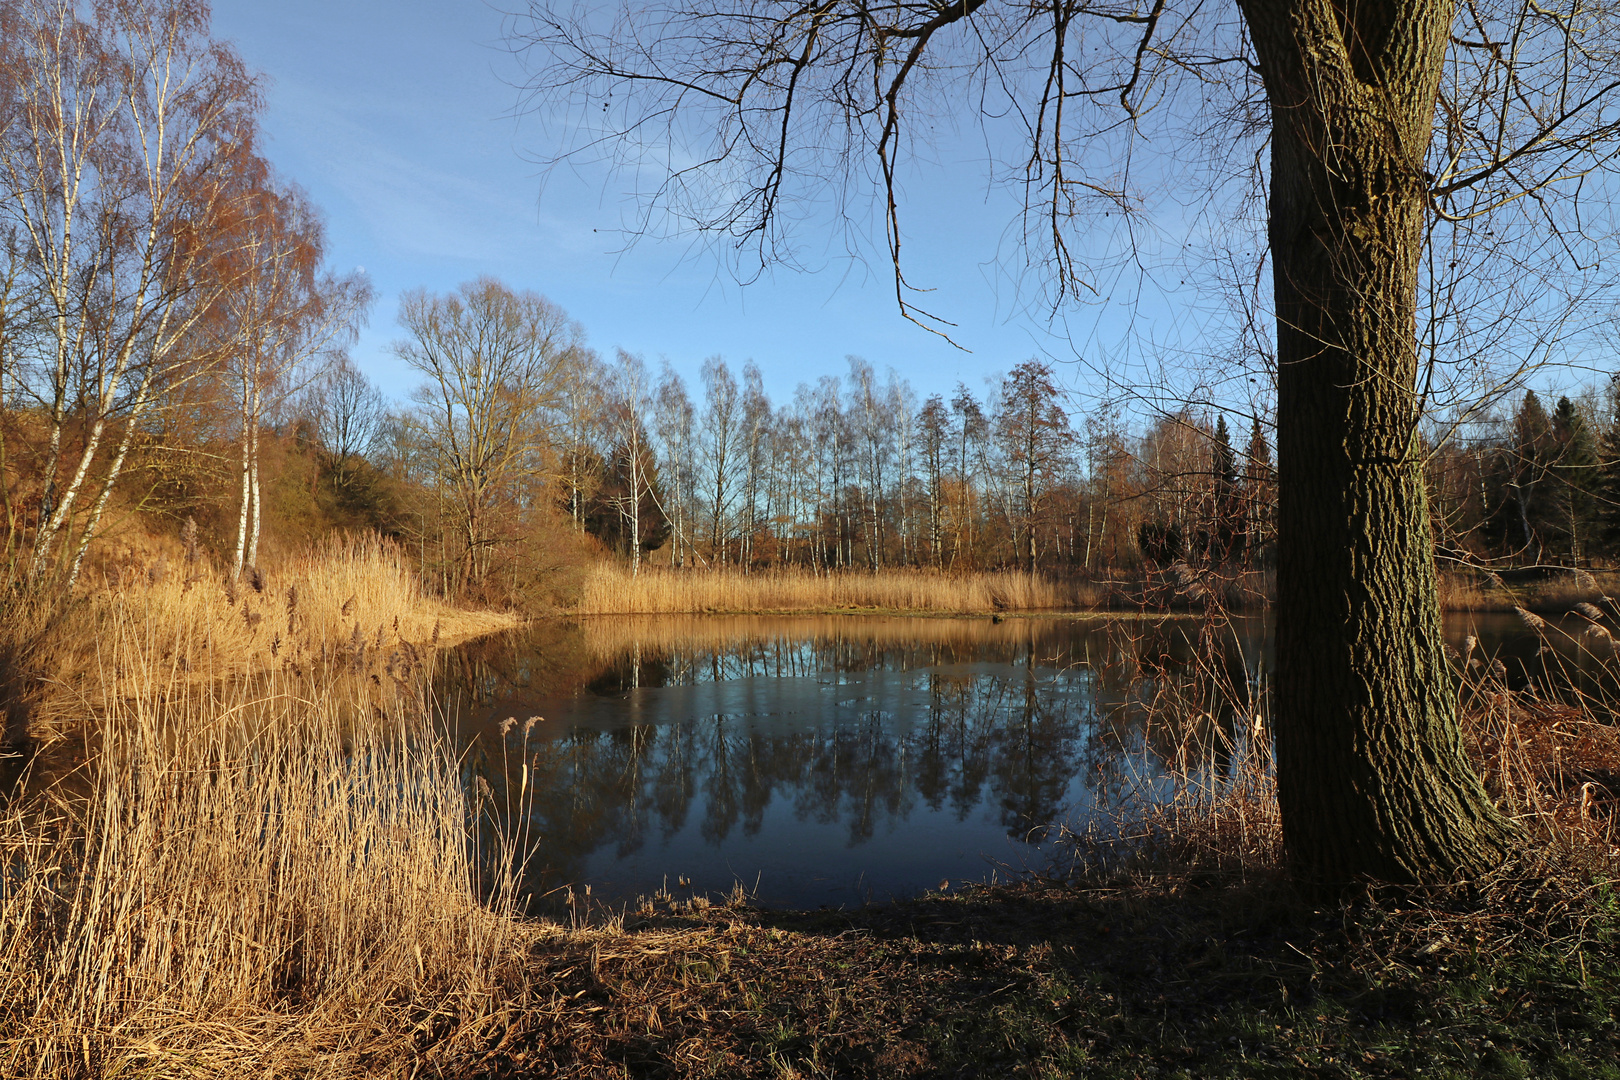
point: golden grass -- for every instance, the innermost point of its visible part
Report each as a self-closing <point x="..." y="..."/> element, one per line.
<point x="244" y="880"/>
<point x="1559" y="590"/>
<point x="1549" y="758"/>
<point x="611" y="590"/>
<point x="1565" y="590"/>
<point x="1461" y="592"/>
<point x="320" y="596"/>
<point x="344" y="597"/>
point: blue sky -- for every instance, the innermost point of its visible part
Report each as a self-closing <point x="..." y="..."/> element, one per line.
<point x="402" y="121"/>
<point x="399" y="120"/>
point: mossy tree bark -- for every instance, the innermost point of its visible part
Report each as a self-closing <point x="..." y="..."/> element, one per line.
<point x="1372" y="777"/>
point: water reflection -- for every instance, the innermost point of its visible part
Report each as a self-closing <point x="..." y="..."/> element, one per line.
<point x="829" y="759"/>
<point x="826" y="760"/>
<point x="1566" y="658"/>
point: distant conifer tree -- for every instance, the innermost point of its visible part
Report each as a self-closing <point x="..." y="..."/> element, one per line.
<point x="1606" y="488"/>
<point x="1227" y="531"/>
<point x="1570" y="501"/>
<point x="1259" y="493"/>
<point x="1519" y="483"/>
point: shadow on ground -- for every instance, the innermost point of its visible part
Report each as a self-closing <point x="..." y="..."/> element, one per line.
<point x="1182" y="978"/>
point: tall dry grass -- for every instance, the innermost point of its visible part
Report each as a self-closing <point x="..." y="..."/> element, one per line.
<point x="251" y="876"/>
<point x="1551" y="588"/>
<point x="611" y="590"/>
<point x="1467" y="592"/>
<point x="342" y="598"/>
<point x="318" y="596"/>
<point x="1201" y="793"/>
<point x="1550" y="752"/>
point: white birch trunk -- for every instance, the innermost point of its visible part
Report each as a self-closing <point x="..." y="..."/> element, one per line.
<point x="258" y="515"/>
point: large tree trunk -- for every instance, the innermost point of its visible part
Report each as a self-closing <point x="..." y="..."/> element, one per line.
<point x="1372" y="777"/>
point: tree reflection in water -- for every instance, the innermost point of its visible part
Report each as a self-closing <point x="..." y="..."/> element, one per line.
<point x="833" y="758"/>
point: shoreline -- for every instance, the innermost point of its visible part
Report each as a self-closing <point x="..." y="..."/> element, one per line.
<point x="1545" y="591"/>
<point x="1175" y="973"/>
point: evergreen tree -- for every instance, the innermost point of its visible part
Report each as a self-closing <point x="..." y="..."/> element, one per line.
<point x="1259" y="494"/>
<point x="1223" y="465"/>
<point x="1573" y="478"/>
<point x="1606" y="485"/>
<point x="625" y="506"/>
<point x="1036" y="439"/>
<point x="1519" y="518"/>
<point x="1226" y="532"/>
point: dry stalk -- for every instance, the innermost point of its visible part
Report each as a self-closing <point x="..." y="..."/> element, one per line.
<point x="609" y="590"/>
<point x="242" y="860"/>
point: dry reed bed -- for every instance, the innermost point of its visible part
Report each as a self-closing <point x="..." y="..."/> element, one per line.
<point x="611" y="590"/>
<point x="246" y="885"/>
<point x="1554" y="760"/>
<point x="1558" y="591"/>
<point x="318" y="597"/>
<point x="1551" y="764"/>
<point x="1220" y="811"/>
<point x="345" y="597"/>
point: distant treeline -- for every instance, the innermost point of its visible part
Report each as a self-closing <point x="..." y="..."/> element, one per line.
<point x="858" y="473"/>
<point x="1529" y="488"/>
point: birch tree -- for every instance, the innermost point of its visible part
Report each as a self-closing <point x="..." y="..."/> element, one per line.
<point x="674" y="421"/>
<point x="125" y="131"/>
<point x="627" y="405"/>
<point x="875" y="433"/>
<point x="755" y="451"/>
<point x="934" y="424"/>
<point x="720" y="449"/>
<point x="279" y="314"/>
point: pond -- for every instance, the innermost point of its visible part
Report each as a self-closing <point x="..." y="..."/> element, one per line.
<point x="834" y="760"/>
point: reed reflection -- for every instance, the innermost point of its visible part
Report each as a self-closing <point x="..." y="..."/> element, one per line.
<point x="827" y="756"/>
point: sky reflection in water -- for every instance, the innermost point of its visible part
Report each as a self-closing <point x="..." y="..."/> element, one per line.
<point x="832" y="760"/>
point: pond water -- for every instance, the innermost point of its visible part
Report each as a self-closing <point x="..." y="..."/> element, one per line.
<point x="837" y="759"/>
<point x="833" y="760"/>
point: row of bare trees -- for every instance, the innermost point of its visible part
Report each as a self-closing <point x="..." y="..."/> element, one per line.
<point x="855" y="473"/>
<point x="852" y="472"/>
<point x="518" y="423"/>
<point x="154" y="271"/>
